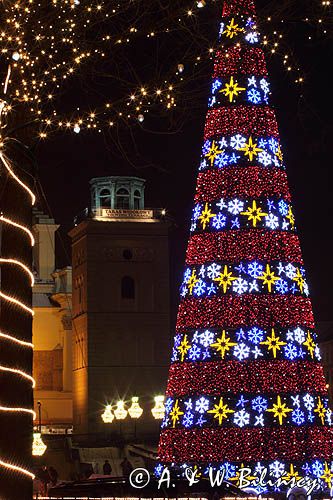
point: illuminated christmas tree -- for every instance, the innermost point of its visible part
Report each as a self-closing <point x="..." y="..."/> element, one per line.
<point x="246" y="387"/>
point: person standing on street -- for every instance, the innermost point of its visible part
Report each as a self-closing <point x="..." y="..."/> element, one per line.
<point x="107" y="469"/>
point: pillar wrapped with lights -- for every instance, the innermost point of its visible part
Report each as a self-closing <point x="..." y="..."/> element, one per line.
<point x="16" y="240"/>
<point x="246" y="386"/>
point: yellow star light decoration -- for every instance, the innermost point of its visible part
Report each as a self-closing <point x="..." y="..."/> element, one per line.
<point x="213" y="152"/>
<point x="274" y="343"/>
<point x="254" y="213"/>
<point x="184" y="347"/>
<point x="232" y="89"/>
<point x="321" y="410"/>
<point x="280" y="410"/>
<point x="205" y="216"/>
<point x="175" y="413"/>
<point x="290" y="216"/>
<point x="292" y="473"/>
<point x="250" y="149"/>
<point x="221" y="411"/>
<point x="196" y="472"/>
<point x="299" y="280"/>
<point x="236" y="478"/>
<point x="225" y="279"/>
<point x="279" y="154"/>
<point x="268" y="277"/>
<point x="193" y="280"/>
<point x="223" y="344"/>
<point x="310" y="344"/>
<point x="232" y="29"/>
<point x="327" y="475"/>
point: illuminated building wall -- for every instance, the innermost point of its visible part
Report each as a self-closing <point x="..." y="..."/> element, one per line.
<point x="52" y="329"/>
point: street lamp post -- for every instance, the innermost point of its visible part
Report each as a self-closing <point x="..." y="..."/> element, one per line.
<point x="38" y="445"/>
<point x="120" y="414"/>
<point x="135" y="411"/>
<point x="39" y="404"/>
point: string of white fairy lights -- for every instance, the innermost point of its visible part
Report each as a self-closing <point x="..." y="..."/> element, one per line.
<point x="46" y="58"/>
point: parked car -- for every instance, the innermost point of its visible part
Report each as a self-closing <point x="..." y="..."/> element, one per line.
<point x="120" y="487"/>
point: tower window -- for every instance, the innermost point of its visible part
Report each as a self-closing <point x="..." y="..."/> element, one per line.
<point x="127" y="288"/>
<point x="122" y="198"/>
<point x="137" y="199"/>
<point x="105" y="198"/>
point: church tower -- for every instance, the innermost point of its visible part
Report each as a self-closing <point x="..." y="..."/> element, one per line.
<point x="121" y="324"/>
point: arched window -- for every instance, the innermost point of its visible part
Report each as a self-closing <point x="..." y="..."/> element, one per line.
<point x="105" y="198"/>
<point x="127" y="288"/>
<point x="137" y="199"/>
<point x="123" y="198"/>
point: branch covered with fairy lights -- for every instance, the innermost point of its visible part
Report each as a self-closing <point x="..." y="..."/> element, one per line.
<point x="59" y="45"/>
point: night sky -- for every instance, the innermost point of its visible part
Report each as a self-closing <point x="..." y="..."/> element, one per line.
<point x="169" y="161"/>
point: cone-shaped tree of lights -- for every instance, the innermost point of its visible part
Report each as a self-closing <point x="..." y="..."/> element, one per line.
<point x="246" y="386"/>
